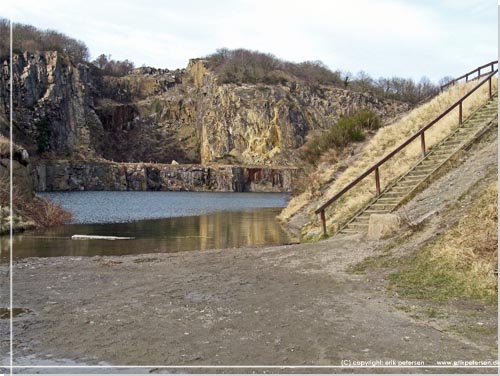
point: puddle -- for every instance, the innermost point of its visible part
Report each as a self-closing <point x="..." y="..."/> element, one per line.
<point x="5" y="312"/>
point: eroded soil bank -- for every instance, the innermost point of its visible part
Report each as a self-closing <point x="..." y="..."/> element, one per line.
<point x="287" y="305"/>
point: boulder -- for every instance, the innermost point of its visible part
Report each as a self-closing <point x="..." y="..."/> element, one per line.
<point x="383" y="226"/>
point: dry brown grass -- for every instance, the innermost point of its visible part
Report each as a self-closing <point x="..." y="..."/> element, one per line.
<point x="386" y="139"/>
<point x="472" y="246"/>
<point x="45" y="213"/>
<point x="40" y="211"/>
<point x="462" y="262"/>
<point x="4" y="146"/>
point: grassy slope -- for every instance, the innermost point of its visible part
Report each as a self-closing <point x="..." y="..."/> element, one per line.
<point x="462" y="262"/>
<point x="386" y="139"/>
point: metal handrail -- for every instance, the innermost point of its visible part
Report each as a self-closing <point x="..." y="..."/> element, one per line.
<point x="472" y="73"/>
<point x="421" y="133"/>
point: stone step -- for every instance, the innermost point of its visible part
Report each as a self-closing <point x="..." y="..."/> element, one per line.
<point x="442" y="151"/>
<point x="349" y="231"/>
<point x="421" y="172"/>
<point x="357" y="225"/>
<point x="438" y="157"/>
<point x="424" y="168"/>
<point x="487" y="112"/>
<point x="382" y="206"/>
<point x="464" y="132"/>
<point x="433" y="159"/>
<point x="385" y="199"/>
<point x="394" y="195"/>
<point x="410" y="180"/>
<point x="451" y="142"/>
<point x="402" y="190"/>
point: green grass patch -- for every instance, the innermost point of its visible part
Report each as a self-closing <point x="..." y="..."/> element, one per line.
<point x="347" y="130"/>
<point x="434" y="278"/>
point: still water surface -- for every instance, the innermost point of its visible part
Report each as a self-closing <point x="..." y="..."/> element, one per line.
<point x="159" y="222"/>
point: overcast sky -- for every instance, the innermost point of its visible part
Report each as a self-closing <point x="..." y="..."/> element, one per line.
<point x="382" y="37"/>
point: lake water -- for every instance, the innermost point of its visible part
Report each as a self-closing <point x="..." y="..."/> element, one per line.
<point x="159" y="222"/>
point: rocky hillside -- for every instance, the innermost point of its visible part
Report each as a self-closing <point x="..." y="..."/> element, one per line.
<point x="75" y="111"/>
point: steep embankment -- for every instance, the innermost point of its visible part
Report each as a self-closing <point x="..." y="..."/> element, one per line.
<point x="75" y="112"/>
<point x="331" y="178"/>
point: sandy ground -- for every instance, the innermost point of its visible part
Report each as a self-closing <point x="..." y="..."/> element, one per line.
<point x="287" y="305"/>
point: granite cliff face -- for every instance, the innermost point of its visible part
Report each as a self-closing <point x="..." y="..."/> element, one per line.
<point x="68" y="112"/>
<point x="112" y="176"/>
<point x="53" y="104"/>
<point x="265" y="124"/>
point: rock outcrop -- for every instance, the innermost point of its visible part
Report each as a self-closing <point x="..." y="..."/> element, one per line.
<point x="73" y="112"/>
<point x="53" y="101"/>
<point x="112" y="176"/>
<point x="22" y="182"/>
<point x="264" y="124"/>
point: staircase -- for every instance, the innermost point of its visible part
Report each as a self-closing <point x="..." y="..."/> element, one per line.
<point x="407" y="185"/>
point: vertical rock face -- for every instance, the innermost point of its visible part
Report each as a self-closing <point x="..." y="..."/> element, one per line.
<point x="21" y="172"/>
<point x="74" y="112"/>
<point x="53" y="104"/>
<point x="108" y="176"/>
<point x="263" y="124"/>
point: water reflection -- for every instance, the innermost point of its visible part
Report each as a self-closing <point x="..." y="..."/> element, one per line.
<point x="217" y="230"/>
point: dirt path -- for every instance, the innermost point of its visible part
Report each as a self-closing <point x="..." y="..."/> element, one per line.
<point x="289" y="305"/>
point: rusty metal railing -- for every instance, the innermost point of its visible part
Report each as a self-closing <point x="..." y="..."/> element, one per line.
<point x="421" y="133"/>
<point x="472" y="75"/>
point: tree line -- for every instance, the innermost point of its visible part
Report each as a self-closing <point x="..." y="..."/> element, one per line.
<point x="245" y="66"/>
<point x="29" y="38"/>
<point x="232" y="66"/>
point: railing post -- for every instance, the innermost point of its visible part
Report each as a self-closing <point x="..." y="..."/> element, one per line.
<point x="478" y="72"/>
<point x="323" y="222"/>
<point x="460" y="113"/>
<point x="467" y="77"/>
<point x="422" y="144"/>
<point x="492" y="67"/>
<point x="377" y="182"/>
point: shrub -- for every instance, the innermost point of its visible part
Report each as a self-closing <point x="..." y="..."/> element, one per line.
<point x="45" y="213"/>
<point x="348" y="129"/>
<point x="113" y="67"/>
<point x="42" y="212"/>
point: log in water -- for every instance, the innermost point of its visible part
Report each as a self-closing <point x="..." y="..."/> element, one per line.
<point x="99" y="237"/>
